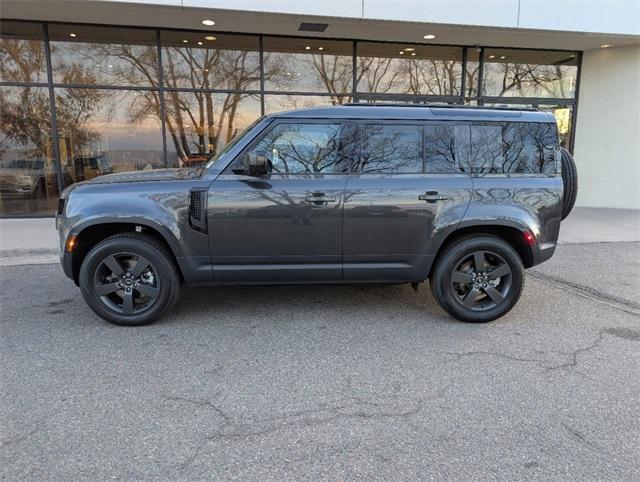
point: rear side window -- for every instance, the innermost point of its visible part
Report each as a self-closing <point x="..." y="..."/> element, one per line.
<point x="509" y="148"/>
<point x="440" y="150"/>
<point x="390" y="149"/>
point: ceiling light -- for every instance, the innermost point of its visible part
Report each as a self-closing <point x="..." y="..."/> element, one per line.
<point x="492" y="56"/>
<point x="308" y="47"/>
<point x="605" y="46"/>
<point x="429" y="36"/>
<point x="208" y="22"/>
<point x="413" y="54"/>
<point x="409" y="49"/>
<point x="185" y="41"/>
<point x="502" y="57"/>
<point x="200" y="42"/>
<point x="320" y="48"/>
<point x="210" y="38"/>
<point x="72" y="35"/>
<point x="401" y="52"/>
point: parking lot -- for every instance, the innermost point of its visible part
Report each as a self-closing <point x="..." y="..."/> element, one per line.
<point x="327" y="382"/>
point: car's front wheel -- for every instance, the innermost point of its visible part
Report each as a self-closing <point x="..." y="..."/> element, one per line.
<point x="478" y="279"/>
<point x="129" y="279"/>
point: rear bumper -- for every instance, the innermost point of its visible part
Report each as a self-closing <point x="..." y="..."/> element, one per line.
<point x="541" y="253"/>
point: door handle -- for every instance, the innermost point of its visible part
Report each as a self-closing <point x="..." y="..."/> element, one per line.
<point x="432" y="196"/>
<point x="319" y="198"/>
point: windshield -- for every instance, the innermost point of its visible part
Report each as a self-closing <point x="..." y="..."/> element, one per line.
<point x="233" y="142"/>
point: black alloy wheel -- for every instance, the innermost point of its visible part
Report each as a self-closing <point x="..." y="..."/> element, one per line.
<point x="126" y="283"/>
<point x="477" y="278"/>
<point x="481" y="281"/>
<point x="129" y="279"/>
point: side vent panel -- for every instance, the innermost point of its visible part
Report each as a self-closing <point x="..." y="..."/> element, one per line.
<point x="198" y="210"/>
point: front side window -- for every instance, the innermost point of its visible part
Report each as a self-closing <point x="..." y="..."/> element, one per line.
<point x="304" y="148"/>
<point x="391" y="149"/>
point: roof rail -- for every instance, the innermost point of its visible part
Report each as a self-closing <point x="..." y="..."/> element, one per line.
<point x="437" y="106"/>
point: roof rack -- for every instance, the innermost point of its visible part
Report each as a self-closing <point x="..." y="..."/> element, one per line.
<point x="437" y="106"/>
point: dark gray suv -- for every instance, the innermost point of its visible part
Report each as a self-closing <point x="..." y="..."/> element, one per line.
<point x="466" y="198"/>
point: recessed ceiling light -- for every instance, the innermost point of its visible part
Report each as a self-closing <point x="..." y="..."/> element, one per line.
<point x="429" y="36"/>
<point x="401" y="52"/>
<point x="200" y="42"/>
<point x="308" y="47"/>
<point x="503" y="57"/>
<point x="413" y="53"/>
<point x="605" y="46"/>
<point x="185" y="41"/>
<point x="208" y="22"/>
<point x="409" y="49"/>
<point x="492" y="56"/>
<point x="72" y="35"/>
<point x="210" y="38"/>
<point x="320" y="48"/>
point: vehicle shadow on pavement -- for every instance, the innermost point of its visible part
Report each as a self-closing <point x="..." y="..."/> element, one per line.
<point x="292" y="302"/>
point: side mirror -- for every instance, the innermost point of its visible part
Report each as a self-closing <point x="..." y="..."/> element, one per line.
<point x="257" y="164"/>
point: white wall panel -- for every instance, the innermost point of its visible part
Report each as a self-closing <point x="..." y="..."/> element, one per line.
<point x="607" y="148"/>
<point x="610" y="16"/>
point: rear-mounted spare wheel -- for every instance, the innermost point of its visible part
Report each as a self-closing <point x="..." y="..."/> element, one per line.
<point x="570" y="181"/>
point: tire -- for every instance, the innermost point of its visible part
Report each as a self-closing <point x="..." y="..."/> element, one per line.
<point x="129" y="279"/>
<point x="455" y="292"/>
<point x="569" y="181"/>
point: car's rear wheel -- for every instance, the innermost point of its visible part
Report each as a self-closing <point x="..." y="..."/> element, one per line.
<point x="478" y="279"/>
<point x="129" y="279"/>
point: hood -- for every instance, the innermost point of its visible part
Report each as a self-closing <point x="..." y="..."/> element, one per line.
<point x="9" y="172"/>
<point x="146" y="176"/>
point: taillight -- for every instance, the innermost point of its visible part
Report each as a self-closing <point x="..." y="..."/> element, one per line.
<point x="529" y="238"/>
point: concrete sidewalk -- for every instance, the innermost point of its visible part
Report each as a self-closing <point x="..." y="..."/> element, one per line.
<point x="34" y="241"/>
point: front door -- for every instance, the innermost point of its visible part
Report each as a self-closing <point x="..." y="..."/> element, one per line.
<point x="285" y="226"/>
<point x="405" y="194"/>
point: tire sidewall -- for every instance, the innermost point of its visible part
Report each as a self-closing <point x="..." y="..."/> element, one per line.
<point x="445" y="268"/>
<point x="135" y="246"/>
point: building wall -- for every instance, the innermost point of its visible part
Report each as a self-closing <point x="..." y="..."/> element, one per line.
<point x="607" y="145"/>
<point x="605" y="16"/>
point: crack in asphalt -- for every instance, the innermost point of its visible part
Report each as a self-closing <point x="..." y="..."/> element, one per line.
<point x="354" y="408"/>
<point x="593" y="294"/>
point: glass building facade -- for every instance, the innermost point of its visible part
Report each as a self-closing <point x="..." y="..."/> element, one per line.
<point x="80" y="101"/>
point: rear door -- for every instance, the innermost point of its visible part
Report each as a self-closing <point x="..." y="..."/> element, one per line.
<point x="287" y="226"/>
<point x="405" y="194"/>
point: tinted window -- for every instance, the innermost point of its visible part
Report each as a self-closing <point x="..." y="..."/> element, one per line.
<point x="516" y="148"/>
<point x="440" y="154"/>
<point x="391" y="148"/>
<point x="304" y="148"/>
<point x="529" y="148"/>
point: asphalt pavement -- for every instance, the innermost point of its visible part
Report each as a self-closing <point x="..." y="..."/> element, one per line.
<point x="327" y="382"/>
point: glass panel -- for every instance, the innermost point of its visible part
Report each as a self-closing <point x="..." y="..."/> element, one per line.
<point x="529" y="73"/>
<point x="391" y="148"/>
<point x="22" y="56"/>
<point x="303" y="148"/>
<point x="280" y="103"/>
<point x="28" y="182"/>
<point x="198" y="60"/>
<point x="564" y="119"/>
<point x="199" y="124"/>
<point x="305" y="65"/>
<point x="439" y="149"/>
<point x="473" y="72"/>
<point x="529" y="148"/>
<point x="82" y="54"/>
<point x="409" y="69"/>
<point x="108" y="131"/>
